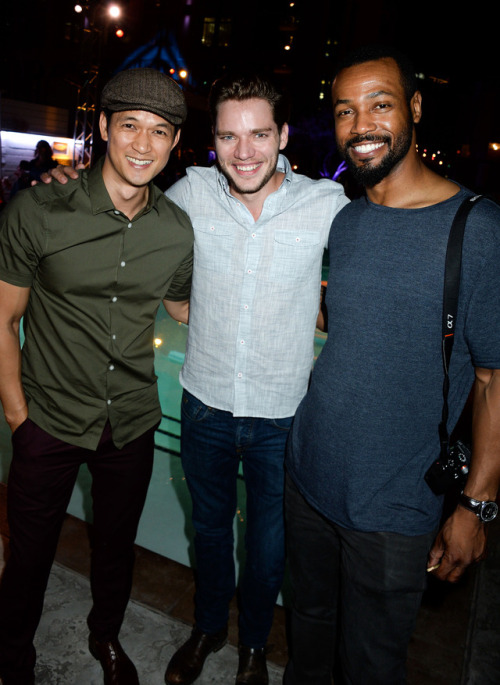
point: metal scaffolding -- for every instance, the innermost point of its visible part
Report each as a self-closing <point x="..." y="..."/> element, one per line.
<point x="86" y="106"/>
<point x="83" y="137"/>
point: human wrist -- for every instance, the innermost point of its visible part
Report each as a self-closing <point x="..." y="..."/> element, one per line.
<point x="15" y="418"/>
<point x="484" y="510"/>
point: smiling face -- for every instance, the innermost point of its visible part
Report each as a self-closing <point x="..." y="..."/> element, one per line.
<point x="247" y="143"/>
<point x="139" y="145"/>
<point x="374" y="126"/>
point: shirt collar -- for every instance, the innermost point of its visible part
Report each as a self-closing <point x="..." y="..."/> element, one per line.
<point x="100" y="200"/>
<point x="285" y="166"/>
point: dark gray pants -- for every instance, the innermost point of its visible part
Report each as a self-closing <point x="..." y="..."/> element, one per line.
<point x="354" y="594"/>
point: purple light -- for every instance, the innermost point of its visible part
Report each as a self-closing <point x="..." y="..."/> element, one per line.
<point x="341" y="167"/>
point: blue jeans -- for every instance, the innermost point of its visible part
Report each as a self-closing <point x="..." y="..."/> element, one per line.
<point x="212" y="444"/>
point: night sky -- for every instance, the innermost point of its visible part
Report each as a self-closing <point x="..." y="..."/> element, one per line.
<point x="38" y="64"/>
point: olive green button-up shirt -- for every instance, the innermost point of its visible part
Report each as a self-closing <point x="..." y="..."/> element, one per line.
<point x="96" y="282"/>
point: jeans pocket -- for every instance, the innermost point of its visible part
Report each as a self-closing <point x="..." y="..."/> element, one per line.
<point x="194" y="409"/>
<point x="281" y="424"/>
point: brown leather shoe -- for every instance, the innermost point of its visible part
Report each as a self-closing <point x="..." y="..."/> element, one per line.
<point x="252" y="669"/>
<point x="187" y="663"/>
<point x="118" y="668"/>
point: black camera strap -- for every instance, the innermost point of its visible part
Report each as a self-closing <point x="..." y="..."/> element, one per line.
<point x="450" y="303"/>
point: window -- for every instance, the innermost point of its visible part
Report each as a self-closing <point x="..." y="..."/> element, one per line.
<point x="208" y="31"/>
<point x="216" y="33"/>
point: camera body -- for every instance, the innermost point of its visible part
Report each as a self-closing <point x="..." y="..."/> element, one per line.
<point x="450" y="471"/>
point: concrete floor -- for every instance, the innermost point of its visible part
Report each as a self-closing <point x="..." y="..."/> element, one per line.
<point x="149" y="637"/>
<point x="456" y="642"/>
<point x="157" y="622"/>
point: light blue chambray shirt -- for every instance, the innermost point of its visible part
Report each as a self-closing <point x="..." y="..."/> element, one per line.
<point x="255" y="291"/>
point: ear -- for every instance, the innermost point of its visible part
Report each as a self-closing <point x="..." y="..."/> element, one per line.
<point x="103" y="126"/>
<point x="284" y="136"/>
<point x="176" y="139"/>
<point x="416" y="107"/>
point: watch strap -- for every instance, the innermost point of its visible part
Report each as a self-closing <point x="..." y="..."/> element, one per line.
<point x="469" y="502"/>
<point x="478" y="507"/>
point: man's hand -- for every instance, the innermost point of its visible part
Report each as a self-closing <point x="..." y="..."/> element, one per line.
<point x="460" y="543"/>
<point x="179" y="311"/>
<point x="61" y="174"/>
<point x="15" y="420"/>
<point x="462" y="539"/>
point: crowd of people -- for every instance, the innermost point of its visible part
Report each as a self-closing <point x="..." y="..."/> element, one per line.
<point x="334" y="457"/>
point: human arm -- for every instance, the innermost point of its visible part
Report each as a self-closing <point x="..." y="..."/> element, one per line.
<point x="178" y="310"/>
<point x="180" y="193"/>
<point x="322" y="320"/>
<point x="462" y="539"/>
<point x="13" y="303"/>
<point x="176" y="300"/>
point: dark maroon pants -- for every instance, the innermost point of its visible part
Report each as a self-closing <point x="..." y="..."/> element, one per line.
<point x="41" y="479"/>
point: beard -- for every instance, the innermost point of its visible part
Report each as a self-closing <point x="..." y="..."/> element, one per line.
<point x="368" y="174"/>
<point x="242" y="190"/>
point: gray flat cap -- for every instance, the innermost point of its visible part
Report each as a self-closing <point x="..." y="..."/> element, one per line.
<point x="146" y="89"/>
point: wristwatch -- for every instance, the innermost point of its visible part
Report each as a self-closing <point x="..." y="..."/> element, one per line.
<point x="485" y="511"/>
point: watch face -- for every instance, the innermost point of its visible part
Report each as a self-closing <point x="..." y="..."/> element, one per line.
<point x="489" y="511"/>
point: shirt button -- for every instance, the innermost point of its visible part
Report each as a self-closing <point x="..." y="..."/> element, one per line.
<point x="111" y="367"/>
<point x="116" y="211"/>
<point x="242" y="342"/>
<point x="108" y="401"/>
<point x="249" y="271"/>
<point x="130" y="225"/>
<point x="114" y="299"/>
<point x="245" y="306"/>
<point x="254" y="235"/>
<point x="113" y="337"/>
<point x="240" y="375"/>
<point x="122" y="263"/>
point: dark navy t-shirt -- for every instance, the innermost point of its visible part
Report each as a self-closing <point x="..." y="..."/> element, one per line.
<point x="367" y="431"/>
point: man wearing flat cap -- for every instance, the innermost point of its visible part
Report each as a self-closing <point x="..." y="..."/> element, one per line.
<point x="87" y="265"/>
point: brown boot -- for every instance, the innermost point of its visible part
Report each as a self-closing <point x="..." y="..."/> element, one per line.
<point x="118" y="668"/>
<point x="252" y="669"/>
<point x="187" y="663"/>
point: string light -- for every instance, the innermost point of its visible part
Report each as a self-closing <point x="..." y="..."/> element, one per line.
<point x="114" y="11"/>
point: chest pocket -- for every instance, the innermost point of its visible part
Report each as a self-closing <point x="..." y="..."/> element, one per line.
<point x="296" y="255"/>
<point x="213" y="245"/>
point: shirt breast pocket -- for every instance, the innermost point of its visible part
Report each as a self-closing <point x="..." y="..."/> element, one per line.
<point x="213" y="245"/>
<point x="296" y="255"/>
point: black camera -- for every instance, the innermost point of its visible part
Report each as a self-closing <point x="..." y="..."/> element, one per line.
<point x="449" y="471"/>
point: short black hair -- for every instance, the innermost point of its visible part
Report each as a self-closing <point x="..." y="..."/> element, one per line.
<point x="370" y="53"/>
<point x="245" y="86"/>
